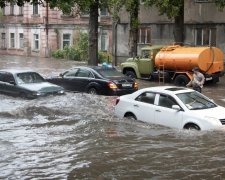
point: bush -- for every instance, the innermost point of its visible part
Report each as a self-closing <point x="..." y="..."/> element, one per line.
<point x="104" y="56"/>
<point x="78" y="52"/>
<point x="59" y="54"/>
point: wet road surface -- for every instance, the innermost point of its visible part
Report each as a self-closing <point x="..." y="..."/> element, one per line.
<point x="77" y="136"/>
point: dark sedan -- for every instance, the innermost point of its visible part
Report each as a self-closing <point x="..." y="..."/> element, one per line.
<point x="96" y="80"/>
<point x="26" y="84"/>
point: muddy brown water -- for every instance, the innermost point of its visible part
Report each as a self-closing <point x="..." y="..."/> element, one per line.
<point x="77" y="136"/>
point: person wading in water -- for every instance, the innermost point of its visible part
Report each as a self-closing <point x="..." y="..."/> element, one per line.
<point x="197" y="80"/>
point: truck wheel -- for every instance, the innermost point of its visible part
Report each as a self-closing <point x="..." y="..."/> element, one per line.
<point x="181" y="80"/>
<point x="131" y="74"/>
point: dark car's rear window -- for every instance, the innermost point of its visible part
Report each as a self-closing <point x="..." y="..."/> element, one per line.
<point x="110" y="73"/>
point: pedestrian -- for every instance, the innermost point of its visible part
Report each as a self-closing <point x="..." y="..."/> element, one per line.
<point x="197" y="81"/>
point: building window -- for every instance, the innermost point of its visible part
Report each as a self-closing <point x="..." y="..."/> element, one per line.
<point x="205" y="37"/>
<point x="3" y="45"/>
<point x="144" y="35"/>
<point x="12" y="40"/>
<point x="36" y="41"/>
<point x="104" y="39"/>
<point x="20" y="10"/>
<point x="21" y="40"/>
<point x="104" y="12"/>
<point x="66" y="40"/>
<point x="11" y="8"/>
<point x="35" y="9"/>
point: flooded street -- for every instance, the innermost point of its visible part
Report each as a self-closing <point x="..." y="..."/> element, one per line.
<point x="77" y="136"/>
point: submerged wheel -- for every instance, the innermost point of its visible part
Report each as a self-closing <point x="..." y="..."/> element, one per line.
<point x="131" y="74"/>
<point x="92" y="91"/>
<point x="130" y="116"/>
<point x="23" y="95"/>
<point x="181" y="80"/>
<point x="192" y="127"/>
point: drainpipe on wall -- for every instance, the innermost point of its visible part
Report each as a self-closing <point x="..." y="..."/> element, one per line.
<point x="115" y="42"/>
<point x="46" y="29"/>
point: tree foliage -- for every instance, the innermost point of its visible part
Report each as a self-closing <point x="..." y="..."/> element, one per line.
<point x="220" y="4"/>
<point x="171" y="8"/>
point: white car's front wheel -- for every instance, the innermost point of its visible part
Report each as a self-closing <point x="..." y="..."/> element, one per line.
<point x="192" y="126"/>
<point x="130" y="116"/>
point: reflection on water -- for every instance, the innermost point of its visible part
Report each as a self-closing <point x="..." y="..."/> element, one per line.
<point x="77" y="136"/>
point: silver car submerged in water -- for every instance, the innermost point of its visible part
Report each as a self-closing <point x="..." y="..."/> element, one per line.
<point x="26" y="84"/>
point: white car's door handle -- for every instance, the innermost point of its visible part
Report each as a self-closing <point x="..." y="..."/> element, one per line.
<point x="157" y="110"/>
<point x="135" y="105"/>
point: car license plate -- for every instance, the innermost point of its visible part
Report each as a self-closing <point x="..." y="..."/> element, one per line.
<point x="127" y="85"/>
<point x="208" y="79"/>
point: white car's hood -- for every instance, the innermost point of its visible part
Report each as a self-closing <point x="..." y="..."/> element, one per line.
<point x="42" y="87"/>
<point x="217" y="112"/>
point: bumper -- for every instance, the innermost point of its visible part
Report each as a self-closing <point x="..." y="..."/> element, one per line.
<point x="120" y="92"/>
<point x="215" y="76"/>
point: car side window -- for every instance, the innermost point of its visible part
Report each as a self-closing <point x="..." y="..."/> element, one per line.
<point x="147" y="97"/>
<point x="166" y="101"/>
<point x="71" y="73"/>
<point x="83" y="73"/>
<point x="7" y="77"/>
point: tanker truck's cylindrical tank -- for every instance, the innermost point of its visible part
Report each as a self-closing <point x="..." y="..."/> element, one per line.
<point x="177" y="58"/>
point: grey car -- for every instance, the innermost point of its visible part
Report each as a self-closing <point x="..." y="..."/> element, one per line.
<point x="26" y="84"/>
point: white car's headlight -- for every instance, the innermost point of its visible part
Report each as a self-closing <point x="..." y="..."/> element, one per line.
<point x="211" y="118"/>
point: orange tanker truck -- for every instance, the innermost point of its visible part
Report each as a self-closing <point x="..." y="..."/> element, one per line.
<point x="175" y="63"/>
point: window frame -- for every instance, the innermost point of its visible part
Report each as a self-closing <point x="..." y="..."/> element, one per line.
<point x="66" y="40"/>
<point x="144" y="35"/>
<point x="200" y="34"/>
<point x="104" y="41"/>
<point x="35" y="9"/>
<point x="21" y="9"/>
<point x="12" y="8"/>
<point x="21" y="41"/>
<point x="3" y="39"/>
<point x="12" y="40"/>
<point x="36" y="40"/>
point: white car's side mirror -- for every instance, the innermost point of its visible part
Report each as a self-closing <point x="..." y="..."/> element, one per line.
<point x="176" y="107"/>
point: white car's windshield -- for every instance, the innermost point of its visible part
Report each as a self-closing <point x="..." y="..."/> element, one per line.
<point x="194" y="100"/>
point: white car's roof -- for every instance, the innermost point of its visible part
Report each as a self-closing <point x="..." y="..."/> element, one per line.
<point x="167" y="89"/>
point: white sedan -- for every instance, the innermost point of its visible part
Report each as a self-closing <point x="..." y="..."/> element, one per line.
<point x="175" y="107"/>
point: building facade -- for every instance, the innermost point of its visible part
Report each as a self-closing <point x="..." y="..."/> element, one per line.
<point x="204" y="26"/>
<point x="34" y="30"/>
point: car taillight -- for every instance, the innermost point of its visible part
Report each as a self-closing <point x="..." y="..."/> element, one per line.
<point x="117" y="100"/>
<point x="112" y="85"/>
<point x="135" y="85"/>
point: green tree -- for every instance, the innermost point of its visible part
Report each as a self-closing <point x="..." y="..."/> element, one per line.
<point x="173" y="9"/>
<point x="132" y="7"/>
<point x="220" y="4"/>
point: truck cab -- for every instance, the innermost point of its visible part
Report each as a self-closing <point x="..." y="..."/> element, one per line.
<point x="141" y="66"/>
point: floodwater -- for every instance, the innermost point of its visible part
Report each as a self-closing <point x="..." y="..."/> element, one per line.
<point x="77" y="136"/>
